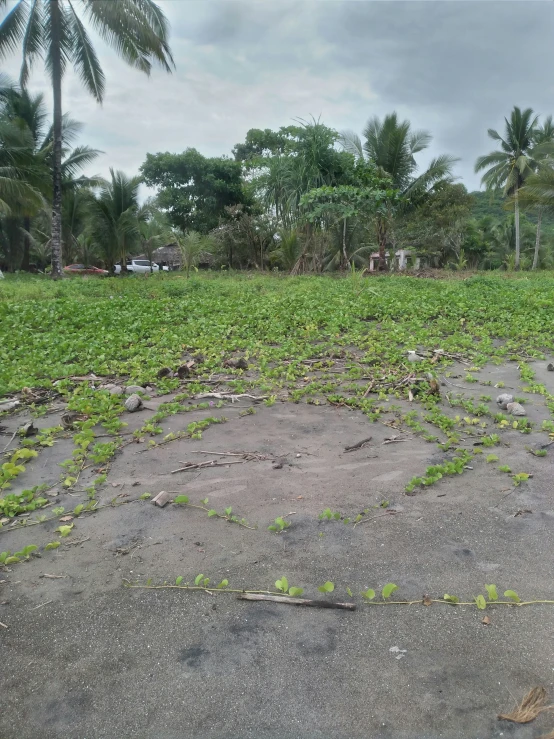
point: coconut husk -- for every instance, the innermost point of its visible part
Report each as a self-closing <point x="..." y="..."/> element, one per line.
<point x="529" y="708"/>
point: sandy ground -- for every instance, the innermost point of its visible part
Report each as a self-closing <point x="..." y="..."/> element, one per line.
<point x="85" y="657"/>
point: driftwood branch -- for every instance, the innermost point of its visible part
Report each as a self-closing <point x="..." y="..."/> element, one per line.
<point x="358" y="445"/>
<point x="298" y="601"/>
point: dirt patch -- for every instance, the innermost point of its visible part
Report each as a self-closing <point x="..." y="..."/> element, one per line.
<point x="84" y="656"/>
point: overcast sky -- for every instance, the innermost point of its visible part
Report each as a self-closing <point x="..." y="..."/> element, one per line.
<point x="454" y="67"/>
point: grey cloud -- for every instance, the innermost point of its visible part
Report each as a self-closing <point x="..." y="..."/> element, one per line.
<point x="454" y="67"/>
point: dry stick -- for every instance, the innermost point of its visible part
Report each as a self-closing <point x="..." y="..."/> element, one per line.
<point x="365" y="520"/>
<point x="9" y="442"/>
<point x="298" y="601"/>
<point x="42" y="604"/>
<point x="3" y="625"/>
<point x="358" y="445"/>
<point x="211" y="463"/>
<point x="230" y="396"/>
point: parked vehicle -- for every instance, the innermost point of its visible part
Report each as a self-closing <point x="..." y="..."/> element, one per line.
<point x="80" y="269"/>
<point x="138" y="266"/>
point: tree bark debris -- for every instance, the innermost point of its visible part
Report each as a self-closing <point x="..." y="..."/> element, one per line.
<point x="298" y="601"/>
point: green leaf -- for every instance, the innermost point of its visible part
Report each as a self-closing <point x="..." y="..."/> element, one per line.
<point x="204" y="502"/>
<point x="65" y="530"/>
<point x="145" y="496"/>
<point x="228" y="511"/>
<point x="492" y="458"/>
<point x="480" y="602"/>
<point x="78" y="509"/>
<point x="52" y="545"/>
<point x="296" y="592"/>
<point x="179" y="580"/>
<point x="491" y="590"/>
<point x="212" y="513"/>
<point x="368" y="594"/>
<point x="512" y="595"/>
<point x="223" y="583"/>
<point x="12" y="560"/>
<point x="327" y="587"/>
<point x="282" y="584"/>
<point x="181" y="499"/>
<point x="272" y="528"/>
<point x="198" y="579"/>
<point x="451" y="598"/>
<point x="349" y="592"/>
<point x="388" y="590"/>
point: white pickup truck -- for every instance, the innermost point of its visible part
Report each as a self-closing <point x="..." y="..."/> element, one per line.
<point x="138" y="266"/>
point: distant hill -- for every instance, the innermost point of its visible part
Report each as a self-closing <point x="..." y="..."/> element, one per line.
<point x="488" y="204"/>
<point x="491" y="204"/>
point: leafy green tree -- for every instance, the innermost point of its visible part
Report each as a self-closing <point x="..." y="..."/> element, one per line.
<point x="438" y="228"/>
<point x="348" y="203"/>
<point x="390" y="146"/>
<point x="510" y="166"/>
<point x="55" y="31"/>
<point x="194" y="189"/>
<point x="307" y="160"/>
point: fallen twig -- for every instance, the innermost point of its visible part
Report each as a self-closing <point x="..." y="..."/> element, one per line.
<point x="42" y="604"/>
<point x="53" y="577"/>
<point x="3" y="625"/>
<point x="211" y="463"/>
<point x="230" y="396"/>
<point x="298" y="601"/>
<point x="372" y="518"/>
<point x="358" y="445"/>
<point x="9" y="442"/>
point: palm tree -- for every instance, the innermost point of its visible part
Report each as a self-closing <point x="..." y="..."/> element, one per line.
<point x="509" y="167"/>
<point x="114" y="218"/>
<point x="53" y="29"/>
<point x="192" y="245"/>
<point x="154" y="230"/>
<point x="390" y="145"/>
<point x="29" y="111"/>
<point x="544" y="141"/>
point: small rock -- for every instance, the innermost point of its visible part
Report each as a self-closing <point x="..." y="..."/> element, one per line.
<point x="8" y="405"/>
<point x="133" y="403"/>
<point x="134" y="389"/>
<point x="550" y="367"/>
<point x="504" y="399"/>
<point x="516" y="409"/>
<point x="414" y="357"/>
<point x="165" y="372"/>
<point x="27" y="430"/>
<point x="116" y="390"/>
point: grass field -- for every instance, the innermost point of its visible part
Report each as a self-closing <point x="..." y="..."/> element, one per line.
<point x="133" y="327"/>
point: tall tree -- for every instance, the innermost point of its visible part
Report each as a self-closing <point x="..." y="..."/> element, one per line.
<point x="390" y="145"/>
<point x="194" y="189"/>
<point x="28" y="111"/>
<point x="55" y="31"/>
<point x="509" y="167"/>
<point x="544" y="139"/>
<point x="114" y="218"/>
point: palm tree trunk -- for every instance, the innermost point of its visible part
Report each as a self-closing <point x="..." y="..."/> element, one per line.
<point x="344" y="254"/>
<point x="537" y="240"/>
<point x="26" y="261"/>
<point x="382" y="241"/>
<point x="517" y="227"/>
<point x="55" y="45"/>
